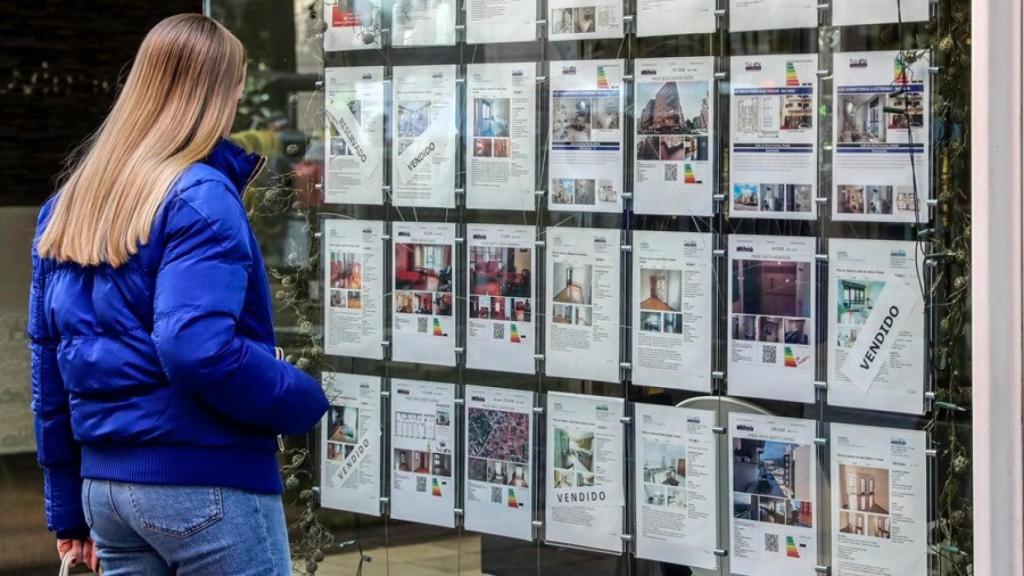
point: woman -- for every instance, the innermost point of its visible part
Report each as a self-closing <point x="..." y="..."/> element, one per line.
<point x="157" y="388"/>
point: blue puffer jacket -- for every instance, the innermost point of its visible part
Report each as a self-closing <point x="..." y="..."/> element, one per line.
<point x="162" y="371"/>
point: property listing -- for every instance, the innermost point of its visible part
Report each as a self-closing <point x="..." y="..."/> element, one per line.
<point x="774" y="139"/>
<point x="354" y="285"/>
<point x="423" y="293"/>
<point x="673" y="172"/>
<point x="499" y="462"/>
<point x="424" y="136"/>
<point x="350" y="444"/>
<point x="774" y="496"/>
<point x="422" y="22"/>
<point x="500" y="323"/>
<point x="353" y="135"/>
<point x="501" y="136"/>
<point x="864" y="12"/>
<point x="584" y="19"/>
<point x="676" y="482"/>
<point x="747" y="15"/>
<point x="582" y="298"/>
<point x="672" y="310"/>
<point x="585" y="151"/>
<point x="879" y="506"/>
<point x="881" y="134"/>
<point x="489" y="21"/>
<point x="422" y="458"/>
<point x="352" y="25"/>
<point x="771" y="317"/>
<point x="670" y="17"/>
<point x="876" y="325"/>
<point x="585" y="494"/>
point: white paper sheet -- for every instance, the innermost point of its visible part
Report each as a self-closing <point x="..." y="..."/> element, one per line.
<point x="352" y="25"/>
<point x="582" y="303"/>
<point x="499" y="462"/>
<point x="872" y="174"/>
<point x="501" y="136"/>
<point x="353" y="287"/>
<point x="671" y="17"/>
<point x="423" y="292"/>
<point x="676" y="482"/>
<point x="584" y="19"/>
<point x="424" y="136"/>
<point x="771" y="317"/>
<point x="584" y="498"/>
<point x="773" y="527"/>
<point x="747" y="15"/>
<point x="672" y="310"/>
<point x="350" y="444"/>
<point x="673" y="170"/>
<point x="585" y="144"/>
<point x="423" y="463"/>
<point x="423" y="23"/>
<point x="489" y="21"/>
<point x="774" y="139"/>
<point x="862" y="12"/>
<point x="354" y="135"/>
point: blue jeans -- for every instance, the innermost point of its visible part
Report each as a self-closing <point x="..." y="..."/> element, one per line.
<point x="186" y="530"/>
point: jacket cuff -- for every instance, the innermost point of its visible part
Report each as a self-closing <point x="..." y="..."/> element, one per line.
<point x="73" y="534"/>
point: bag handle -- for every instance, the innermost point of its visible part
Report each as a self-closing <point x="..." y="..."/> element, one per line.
<point x="65" y="564"/>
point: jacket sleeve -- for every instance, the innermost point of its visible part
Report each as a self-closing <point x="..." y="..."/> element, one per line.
<point x="58" y="453"/>
<point x="200" y="291"/>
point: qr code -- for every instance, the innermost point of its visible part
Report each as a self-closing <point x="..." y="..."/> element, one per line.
<point x="671" y="172"/>
<point x="771" y="542"/>
<point x="421" y="325"/>
<point x="499" y="331"/>
<point x="421" y="483"/>
<point x="496" y="494"/>
<point x="769" y="354"/>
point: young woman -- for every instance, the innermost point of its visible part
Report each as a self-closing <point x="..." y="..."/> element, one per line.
<point x="157" y="388"/>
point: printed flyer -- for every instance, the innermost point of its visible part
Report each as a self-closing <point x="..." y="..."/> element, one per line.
<point x="672" y="310"/>
<point x="423" y="23"/>
<point x="585" y="152"/>
<point x="354" y="282"/>
<point x="676" y="481"/>
<point x="352" y="25"/>
<point x="489" y="21"/>
<point x="350" y="444"/>
<point x="771" y="317"/>
<point x="876" y="331"/>
<point x="499" y="462"/>
<point x="879" y="505"/>
<point x="747" y="15"/>
<point x="773" y="529"/>
<point x="674" y="136"/>
<point x="423" y="292"/>
<point x="500" y="322"/>
<point x="584" y="19"/>
<point x="582" y="296"/>
<point x="422" y="459"/>
<point x="863" y="12"/>
<point x="425" y="136"/>
<point x="585" y="495"/>
<point x="879" y="153"/>
<point x="671" y="17"/>
<point x="774" y="138"/>
<point x="501" y="136"/>
<point x="353" y="135"/>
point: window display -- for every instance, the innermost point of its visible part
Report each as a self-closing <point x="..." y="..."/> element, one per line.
<point x="584" y="19"/>
<point x="354" y="135"/>
<point x="353" y="287"/>
<point x="424" y="136"/>
<point x="500" y="21"/>
<point x="351" y="443"/>
<point x="423" y="292"/>
<point x="670" y="17"/>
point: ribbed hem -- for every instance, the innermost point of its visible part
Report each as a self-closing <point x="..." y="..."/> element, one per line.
<point x="228" y="467"/>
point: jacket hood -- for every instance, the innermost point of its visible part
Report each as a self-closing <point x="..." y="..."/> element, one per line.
<point x="234" y="162"/>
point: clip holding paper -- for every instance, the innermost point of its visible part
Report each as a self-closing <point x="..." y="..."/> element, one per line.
<point x="820" y="385"/>
<point x="822" y="74"/>
<point x="627" y="537"/>
<point x="460" y="401"/>
<point x="538" y="410"/>
<point x="821" y="569"/>
<point x="626" y="248"/>
<point x="721" y="75"/>
<point x="625" y="420"/>
<point x="718" y="430"/>
<point x="718" y="252"/>
<point x="537" y="524"/>
<point x="720" y="552"/>
<point x="819" y="441"/>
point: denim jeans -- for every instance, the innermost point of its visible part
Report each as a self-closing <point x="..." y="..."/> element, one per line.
<point x="186" y="530"/>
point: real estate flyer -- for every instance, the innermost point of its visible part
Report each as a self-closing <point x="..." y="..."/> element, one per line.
<point x="584" y="500"/>
<point x="352" y="25"/>
<point x="423" y="22"/>
<point x="499" y="462"/>
<point x="425" y="136"/>
<point x="771" y="317"/>
<point x="673" y="171"/>
<point x="423" y="292"/>
<point x="585" y="151"/>
<point x="354" y="286"/>
<point x="672" y="310"/>
<point x="353" y="134"/>
<point x="881" y="134"/>
<point x="773" y="528"/>
<point x="350" y="444"/>
<point x="422" y="458"/>
<point x="746" y="15"/>
<point x="676" y="482"/>
<point x="584" y="19"/>
<point x="774" y="140"/>
<point x="489" y="21"/>
<point x="671" y="17"/>
<point x="863" y="12"/>
<point x="879" y="504"/>
<point x="876" y="334"/>
<point x="582" y="296"/>
<point x="501" y="136"/>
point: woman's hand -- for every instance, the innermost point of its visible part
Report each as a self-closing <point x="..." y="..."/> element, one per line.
<point x="81" y="551"/>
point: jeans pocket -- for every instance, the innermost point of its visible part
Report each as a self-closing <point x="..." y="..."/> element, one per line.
<point x="176" y="510"/>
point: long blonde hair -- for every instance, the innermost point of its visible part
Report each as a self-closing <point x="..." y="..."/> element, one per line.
<point x="177" y="102"/>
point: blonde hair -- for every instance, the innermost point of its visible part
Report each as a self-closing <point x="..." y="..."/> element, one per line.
<point x="176" y="104"/>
